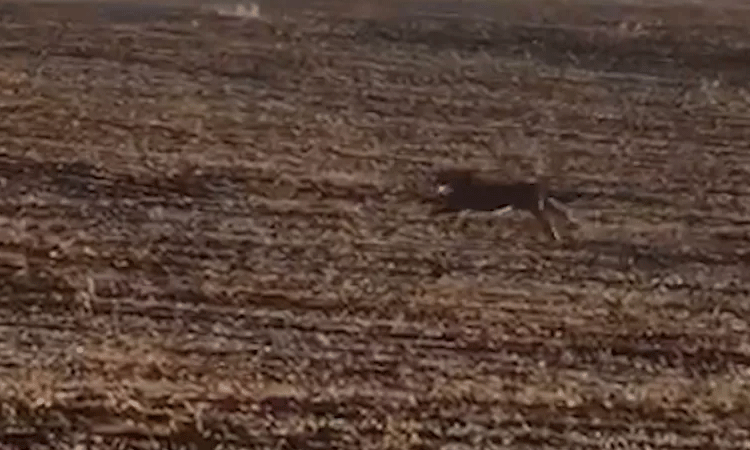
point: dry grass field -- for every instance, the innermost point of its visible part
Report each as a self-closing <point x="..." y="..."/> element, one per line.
<point x="214" y="234"/>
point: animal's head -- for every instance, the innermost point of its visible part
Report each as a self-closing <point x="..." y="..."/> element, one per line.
<point x="450" y="180"/>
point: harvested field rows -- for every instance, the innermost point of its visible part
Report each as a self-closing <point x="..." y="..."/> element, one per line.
<point x="214" y="228"/>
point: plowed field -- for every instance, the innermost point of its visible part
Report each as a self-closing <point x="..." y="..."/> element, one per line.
<point x="213" y="227"/>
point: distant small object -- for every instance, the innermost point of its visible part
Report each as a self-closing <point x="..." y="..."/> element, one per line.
<point x="463" y="191"/>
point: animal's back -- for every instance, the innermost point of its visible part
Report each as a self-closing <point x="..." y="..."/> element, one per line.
<point x="519" y="194"/>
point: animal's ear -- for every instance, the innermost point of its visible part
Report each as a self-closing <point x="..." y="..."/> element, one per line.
<point x="440" y="175"/>
<point x="446" y="175"/>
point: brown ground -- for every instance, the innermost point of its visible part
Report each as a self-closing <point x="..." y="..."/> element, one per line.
<point x="212" y="227"/>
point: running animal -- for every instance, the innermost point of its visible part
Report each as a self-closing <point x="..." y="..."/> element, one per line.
<point x="463" y="191"/>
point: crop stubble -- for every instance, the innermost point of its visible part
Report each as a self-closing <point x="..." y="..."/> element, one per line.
<point x="212" y="228"/>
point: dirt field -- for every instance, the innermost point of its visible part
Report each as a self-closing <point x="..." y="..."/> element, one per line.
<point x="214" y="228"/>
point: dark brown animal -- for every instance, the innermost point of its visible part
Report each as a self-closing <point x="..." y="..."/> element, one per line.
<point x="462" y="191"/>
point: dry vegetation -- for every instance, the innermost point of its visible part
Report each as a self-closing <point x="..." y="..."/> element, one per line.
<point x="213" y="232"/>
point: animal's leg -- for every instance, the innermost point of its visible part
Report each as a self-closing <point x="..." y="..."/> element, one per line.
<point x="560" y="209"/>
<point x="440" y="210"/>
<point x="541" y="216"/>
<point x="503" y="211"/>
